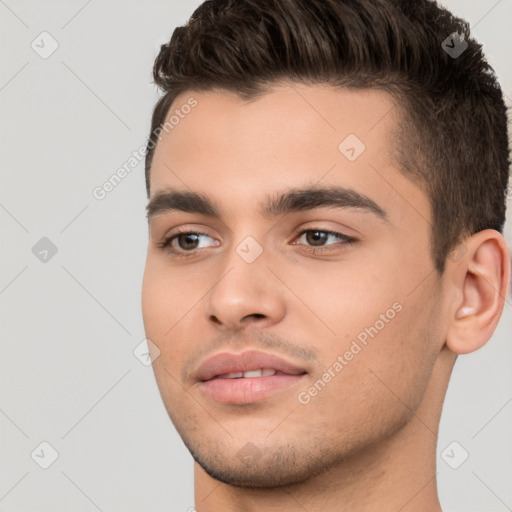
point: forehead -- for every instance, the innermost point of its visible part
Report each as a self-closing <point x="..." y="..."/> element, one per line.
<point x="295" y="135"/>
<point x="289" y="118"/>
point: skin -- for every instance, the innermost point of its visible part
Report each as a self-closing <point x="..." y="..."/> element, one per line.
<point x="367" y="440"/>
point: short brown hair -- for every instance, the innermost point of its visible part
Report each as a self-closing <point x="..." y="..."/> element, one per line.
<point x="453" y="135"/>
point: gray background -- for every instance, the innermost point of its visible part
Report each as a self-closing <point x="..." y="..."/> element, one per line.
<point x="70" y="324"/>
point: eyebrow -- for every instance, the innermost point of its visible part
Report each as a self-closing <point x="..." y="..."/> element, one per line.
<point x="291" y="200"/>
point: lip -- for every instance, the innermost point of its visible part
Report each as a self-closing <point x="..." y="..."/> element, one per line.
<point x="246" y="389"/>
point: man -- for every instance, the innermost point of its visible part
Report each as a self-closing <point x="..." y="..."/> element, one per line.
<point x="326" y="183"/>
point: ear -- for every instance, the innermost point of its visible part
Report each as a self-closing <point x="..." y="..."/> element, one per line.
<point x="481" y="280"/>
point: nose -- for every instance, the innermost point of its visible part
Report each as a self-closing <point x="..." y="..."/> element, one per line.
<point x="245" y="294"/>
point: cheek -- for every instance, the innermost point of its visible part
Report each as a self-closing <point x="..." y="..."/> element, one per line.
<point x="383" y="337"/>
<point x="167" y="308"/>
<point x="394" y="366"/>
<point x="345" y="298"/>
<point x="382" y="381"/>
<point x="167" y="296"/>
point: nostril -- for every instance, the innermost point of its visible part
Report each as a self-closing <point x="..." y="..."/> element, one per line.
<point x="257" y="315"/>
<point x="215" y="320"/>
<point x="247" y="318"/>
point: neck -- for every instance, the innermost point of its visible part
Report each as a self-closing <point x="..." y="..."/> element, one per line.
<point x="398" y="473"/>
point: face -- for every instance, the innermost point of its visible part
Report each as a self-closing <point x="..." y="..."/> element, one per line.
<point x="294" y="245"/>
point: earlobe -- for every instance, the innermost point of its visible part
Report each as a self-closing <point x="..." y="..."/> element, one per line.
<point x="482" y="277"/>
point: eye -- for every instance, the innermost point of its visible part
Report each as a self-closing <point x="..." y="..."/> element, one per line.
<point x="322" y="238"/>
<point x="187" y="241"/>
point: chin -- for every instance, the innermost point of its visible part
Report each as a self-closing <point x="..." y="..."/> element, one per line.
<point x="270" y="467"/>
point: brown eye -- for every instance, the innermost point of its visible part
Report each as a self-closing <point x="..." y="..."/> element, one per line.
<point x="316" y="238"/>
<point x="187" y="241"/>
<point x="322" y="238"/>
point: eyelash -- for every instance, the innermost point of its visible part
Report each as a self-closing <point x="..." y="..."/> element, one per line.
<point x="166" y="244"/>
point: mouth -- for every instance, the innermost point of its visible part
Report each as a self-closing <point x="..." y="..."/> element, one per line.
<point x="247" y="377"/>
<point x="262" y="372"/>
